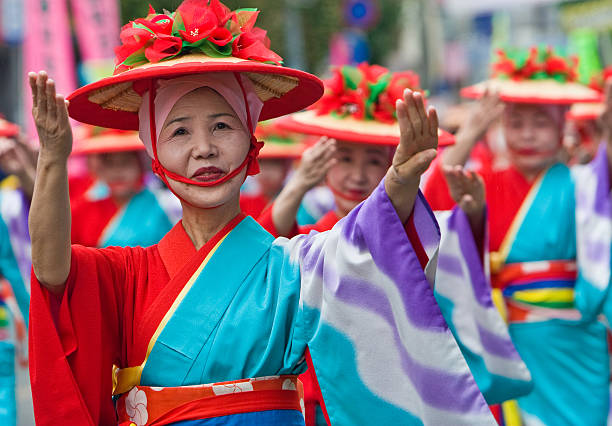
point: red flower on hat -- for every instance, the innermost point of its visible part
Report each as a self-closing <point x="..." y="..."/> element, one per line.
<point x="537" y="64"/>
<point x="198" y="26"/>
<point x="204" y="22"/>
<point x="400" y="81"/>
<point x="252" y="42"/>
<point x="163" y="47"/>
<point x="366" y="92"/>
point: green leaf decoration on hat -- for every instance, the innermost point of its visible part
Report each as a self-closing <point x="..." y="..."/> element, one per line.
<point x="536" y="63"/>
<point x="365" y="92"/>
<point x="197" y="26"/>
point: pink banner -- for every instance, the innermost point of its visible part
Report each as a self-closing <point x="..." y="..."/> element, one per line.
<point x="97" y="28"/>
<point x="47" y="46"/>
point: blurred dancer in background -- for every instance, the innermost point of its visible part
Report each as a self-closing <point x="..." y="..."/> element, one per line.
<point x="119" y="209"/>
<point x="551" y="299"/>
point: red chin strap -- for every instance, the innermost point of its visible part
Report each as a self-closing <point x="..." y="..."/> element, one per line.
<point x="250" y="162"/>
<point x="344" y="195"/>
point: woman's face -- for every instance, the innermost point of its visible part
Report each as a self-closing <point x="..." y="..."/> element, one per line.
<point x="533" y="136"/>
<point x="203" y="139"/>
<point x="121" y="171"/>
<point x="358" y="171"/>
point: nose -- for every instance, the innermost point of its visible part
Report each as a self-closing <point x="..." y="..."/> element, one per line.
<point x="527" y="132"/>
<point x="358" y="174"/>
<point x="204" y="146"/>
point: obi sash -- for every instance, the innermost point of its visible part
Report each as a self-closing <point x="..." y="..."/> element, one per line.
<point x="144" y="405"/>
<point x="535" y="266"/>
<point x="538" y="291"/>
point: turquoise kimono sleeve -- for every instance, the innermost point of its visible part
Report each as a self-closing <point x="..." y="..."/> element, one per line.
<point x="463" y="291"/>
<point x="379" y="343"/>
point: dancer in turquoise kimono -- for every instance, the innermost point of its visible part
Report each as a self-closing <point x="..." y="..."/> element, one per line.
<point x="121" y="208"/>
<point x="535" y="260"/>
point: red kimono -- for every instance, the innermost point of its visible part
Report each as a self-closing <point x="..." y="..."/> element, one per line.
<point x="253" y="205"/>
<point x="138" y="276"/>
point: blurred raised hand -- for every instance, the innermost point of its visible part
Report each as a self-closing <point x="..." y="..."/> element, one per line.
<point x="19" y="159"/>
<point x="482" y="114"/>
<point x="467" y="190"/>
<point x="314" y="165"/>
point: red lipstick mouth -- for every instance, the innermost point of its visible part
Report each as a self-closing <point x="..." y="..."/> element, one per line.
<point x="208" y="174"/>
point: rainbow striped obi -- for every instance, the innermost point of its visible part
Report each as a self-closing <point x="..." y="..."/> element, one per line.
<point x="538" y="291"/>
<point x="275" y="400"/>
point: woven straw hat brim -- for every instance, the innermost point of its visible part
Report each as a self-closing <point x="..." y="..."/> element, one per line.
<point x="590" y="111"/>
<point x="281" y="151"/>
<point x="108" y="144"/>
<point x="114" y="101"/>
<point x="534" y="91"/>
<point x="350" y="129"/>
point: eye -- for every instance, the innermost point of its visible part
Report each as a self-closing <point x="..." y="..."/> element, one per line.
<point x="375" y="162"/>
<point x="345" y="159"/>
<point x="221" y="126"/>
<point x="181" y="131"/>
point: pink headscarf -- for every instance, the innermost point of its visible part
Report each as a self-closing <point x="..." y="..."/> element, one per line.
<point x="170" y="91"/>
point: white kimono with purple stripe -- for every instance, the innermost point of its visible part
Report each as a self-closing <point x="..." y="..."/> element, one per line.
<point x="379" y="343"/>
<point x="593" y="237"/>
<point x="463" y="291"/>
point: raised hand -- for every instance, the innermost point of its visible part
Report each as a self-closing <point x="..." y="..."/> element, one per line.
<point x="315" y="163"/>
<point x="17" y="158"/>
<point x="481" y="116"/>
<point x="483" y="113"/>
<point x="416" y="151"/>
<point x="466" y="188"/>
<point x="51" y="117"/>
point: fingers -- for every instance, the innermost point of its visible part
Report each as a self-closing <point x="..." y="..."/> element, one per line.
<point x="61" y="106"/>
<point x="432" y="118"/>
<point x="50" y="101"/>
<point x="416" y="111"/>
<point x="406" y="131"/>
<point x="32" y="76"/>
<point x="41" y="83"/>
<point x="324" y="147"/>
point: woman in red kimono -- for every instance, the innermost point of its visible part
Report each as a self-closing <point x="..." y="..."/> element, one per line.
<point x="210" y="325"/>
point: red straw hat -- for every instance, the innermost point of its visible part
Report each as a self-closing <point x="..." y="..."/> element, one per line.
<point x="533" y="76"/>
<point x="359" y="106"/>
<point x="202" y="36"/>
<point x="8" y="129"/>
<point x="96" y="140"/>
<point x="279" y="143"/>
<point x="592" y="111"/>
